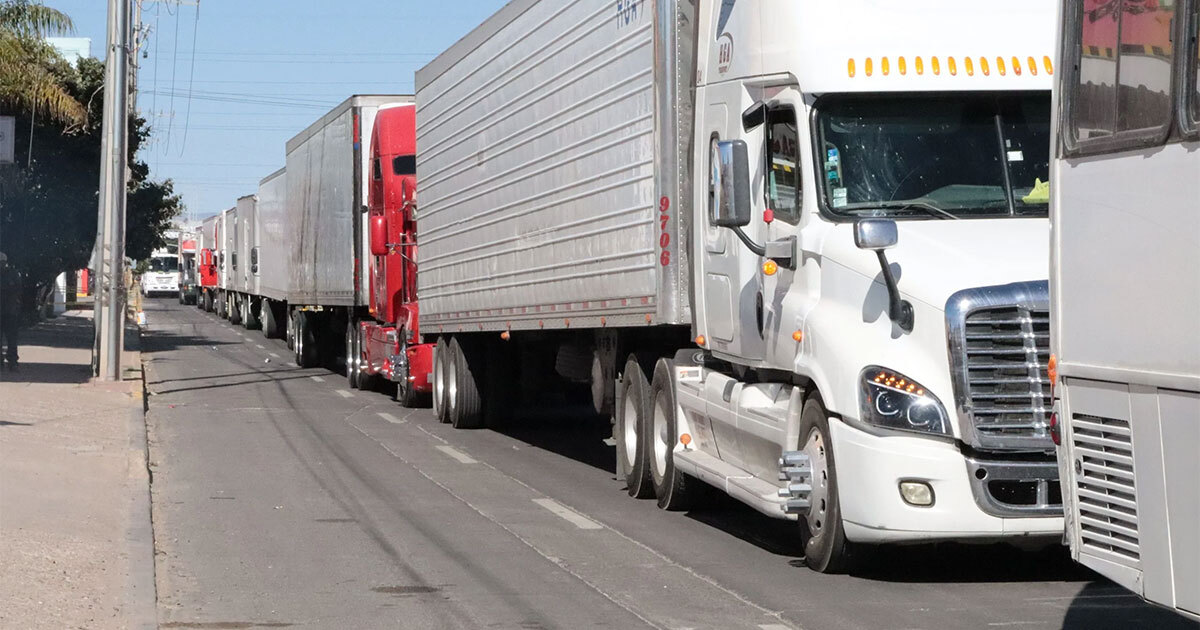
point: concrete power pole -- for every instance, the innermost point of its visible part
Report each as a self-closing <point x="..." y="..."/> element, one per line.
<point x="110" y="249"/>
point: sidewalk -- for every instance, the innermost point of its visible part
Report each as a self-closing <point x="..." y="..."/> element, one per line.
<point x="76" y="545"/>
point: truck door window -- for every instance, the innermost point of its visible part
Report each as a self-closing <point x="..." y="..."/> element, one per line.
<point x="376" y="170"/>
<point x="783" y="159"/>
<point x="1120" y="92"/>
<point x="404" y="165"/>
<point x="1192" y="70"/>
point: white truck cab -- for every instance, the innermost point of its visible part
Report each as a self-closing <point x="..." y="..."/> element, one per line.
<point x="870" y="261"/>
<point x="162" y="274"/>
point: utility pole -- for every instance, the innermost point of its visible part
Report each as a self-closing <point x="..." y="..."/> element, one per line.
<point x="110" y="247"/>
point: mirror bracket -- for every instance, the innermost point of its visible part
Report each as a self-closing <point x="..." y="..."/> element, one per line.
<point x="899" y="309"/>
<point x="783" y="252"/>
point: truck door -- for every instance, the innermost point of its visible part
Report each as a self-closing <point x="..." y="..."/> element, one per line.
<point x="785" y="144"/>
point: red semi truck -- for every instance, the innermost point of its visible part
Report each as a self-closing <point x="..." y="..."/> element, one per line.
<point x="336" y="247"/>
<point x="388" y="341"/>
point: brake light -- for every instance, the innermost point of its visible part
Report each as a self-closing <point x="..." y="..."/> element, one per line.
<point x="1055" y="431"/>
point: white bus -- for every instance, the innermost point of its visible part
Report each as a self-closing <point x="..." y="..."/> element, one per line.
<point x="1125" y="291"/>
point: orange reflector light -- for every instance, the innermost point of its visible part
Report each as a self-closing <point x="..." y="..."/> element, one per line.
<point x="883" y="66"/>
<point x="1049" y="65"/>
<point x="935" y="65"/>
<point x="920" y="65"/>
<point x="1000" y="66"/>
<point x="685" y="439"/>
<point x="505" y="335"/>
<point x="1052" y="369"/>
<point x="701" y="341"/>
<point x="902" y="65"/>
<point x="798" y="336"/>
<point x="969" y="65"/>
<point x="868" y="66"/>
<point x="850" y="67"/>
<point x="770" y="268"/>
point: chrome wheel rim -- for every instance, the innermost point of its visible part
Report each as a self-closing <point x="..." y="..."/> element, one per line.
<point x="629" y="432"/>
<point x="662" y="441"/>
<point x="815" y="448"/>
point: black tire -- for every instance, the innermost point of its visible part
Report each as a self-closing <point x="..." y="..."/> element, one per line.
<point x="270" y="325"/>
<point x="233" y="308"/>
<point x="208" y="302"/>
<point x="251" y="318"/>
<point x="352" y="352"/>
<point x="465" y="378"/>
<point x="306" y="341"/>
<point x="441" y="352"/>
<point x="632" y="414"/>
<point x="675" y="490"/>
<point x="826" y="549"/>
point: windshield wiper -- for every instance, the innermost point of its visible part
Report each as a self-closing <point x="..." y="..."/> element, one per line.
<point x="902" y="206"/>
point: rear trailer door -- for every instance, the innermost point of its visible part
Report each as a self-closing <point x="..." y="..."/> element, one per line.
<point x="550" y="152"/>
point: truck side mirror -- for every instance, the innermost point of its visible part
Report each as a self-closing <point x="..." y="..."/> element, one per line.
<point x="379" y="244"/>
<point x="730" y="205"/>
<point x="878" y="235"/>
<point x="875" y="234"/>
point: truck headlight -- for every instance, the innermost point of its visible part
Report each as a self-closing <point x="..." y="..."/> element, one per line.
<point x="893" y="401"/>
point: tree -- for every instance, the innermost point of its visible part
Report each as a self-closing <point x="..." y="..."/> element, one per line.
<point x="28" y="80"/>
<point x="48" y="211"/>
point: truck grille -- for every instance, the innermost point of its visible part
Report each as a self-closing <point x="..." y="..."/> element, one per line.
<point x="1104" y="485"/>
<point x="1000" y="346"/>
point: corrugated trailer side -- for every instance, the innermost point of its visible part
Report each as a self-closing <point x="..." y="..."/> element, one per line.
<point x="227" y="235"/>
<point x="327" y="170"/>
<point x="272" y="236"/>
<point x="245" y="267"/>
<point x="552" y="159"/>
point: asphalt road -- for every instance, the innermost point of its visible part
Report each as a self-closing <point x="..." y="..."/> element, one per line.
<point x="283" y="498"/>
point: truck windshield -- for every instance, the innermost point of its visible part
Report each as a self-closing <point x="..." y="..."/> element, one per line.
<point x="164" y="265"/>
<point x="938" y="157"/>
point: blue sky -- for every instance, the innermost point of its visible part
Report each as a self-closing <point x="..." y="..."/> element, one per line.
<point x="264" y="70"/>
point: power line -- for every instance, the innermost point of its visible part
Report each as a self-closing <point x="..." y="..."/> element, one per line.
<point x="191" y="76"/>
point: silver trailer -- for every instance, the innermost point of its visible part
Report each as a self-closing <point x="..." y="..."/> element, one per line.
<point x="328" y="172"/>
<point x="553" y="164"/>
<point x="227" y="239"/>
<point x="247" y="272"/>
<point x="272" y="232"/>
<point x="552" y="152"/>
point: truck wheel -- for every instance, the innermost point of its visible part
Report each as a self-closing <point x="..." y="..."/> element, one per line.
<point x="463" y="385"/>
<point x="633" y="414"/>
<point x="675" y="490"/>
<point x="251" y="317"/>
<point x="440" y="353"/>
<point x="306" y="343"/>
<point x="366" y="380"/>
<point x="352" y="355"/>
<point x="233" y="308"/>
<point x="826" y="549"/>
<point x="270" y="326"/>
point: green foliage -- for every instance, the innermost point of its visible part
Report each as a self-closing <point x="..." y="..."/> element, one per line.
<point x="48" y="209"/>
<point x="30" y="69"/>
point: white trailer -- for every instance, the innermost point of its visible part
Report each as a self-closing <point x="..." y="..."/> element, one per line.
<point x="327" y="176"/>
<point x="1126" y="293"/>
<point x="686" y="203"/>
<point x="273" y="252"/>
<point x="227" y="234"/>
<point x="245" y="296"/>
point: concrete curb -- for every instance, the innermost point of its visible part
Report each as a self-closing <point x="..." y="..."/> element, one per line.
<point x="141" y="596"/>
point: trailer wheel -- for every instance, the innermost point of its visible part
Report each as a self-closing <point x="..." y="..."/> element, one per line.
<point x="675" y="490"/>
<point x="440" y="352"/>
<point x="463" y="386"/>
<point x="352" y="354"/>
<point x="291" y="330"/>
<point x="633" y="412"/>
<point x="251" y="317"/>
<point x="306" y="343"/>
<point x="233" y="308"/>
<point x="270" y="326"/>
<point x="406" y="394"/>
<point x="826" y="549"/>
<point x="208" y="302"/>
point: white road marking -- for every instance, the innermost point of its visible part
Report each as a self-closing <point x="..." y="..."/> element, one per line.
<point x="260" y="346"/>
<point x="462" y="457"/>
<point x="317" y="379"/>
<point x="344" y="394"/>
<point x="1017" y="623"/>
<point x="390" y="418"/>
<point x="273" y="354"/>
<point x="773" y="626"/>
<point x="567" y="514"/>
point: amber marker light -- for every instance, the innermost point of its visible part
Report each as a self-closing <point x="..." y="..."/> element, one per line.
<point x="798" y="336"/>
<point x="685" y="439"/>
<point x="770" y="268"/>
<point x="505" y="336"/>
<point x="701" y="341"/>
<point x="850" y="67"/>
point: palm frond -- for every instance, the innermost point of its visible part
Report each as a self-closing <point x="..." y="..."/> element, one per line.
<point x="29" y="18"/>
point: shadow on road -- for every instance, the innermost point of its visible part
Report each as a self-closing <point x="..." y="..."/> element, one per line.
<point x="1092" y="609"/>
<point x="58" y="373"/>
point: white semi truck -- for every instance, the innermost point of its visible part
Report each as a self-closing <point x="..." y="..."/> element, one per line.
<point x="1126" y="292"/>
<point x="799" y="249"/>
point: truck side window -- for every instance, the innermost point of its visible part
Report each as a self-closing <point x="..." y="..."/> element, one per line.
<point x="404" y="165"/>
<point x="376" y="170"/>
<point x="784" y="184"/>
<point x="1122" y="72"/>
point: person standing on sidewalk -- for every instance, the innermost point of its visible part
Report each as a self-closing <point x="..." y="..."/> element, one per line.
<point x="10" y="311"/>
